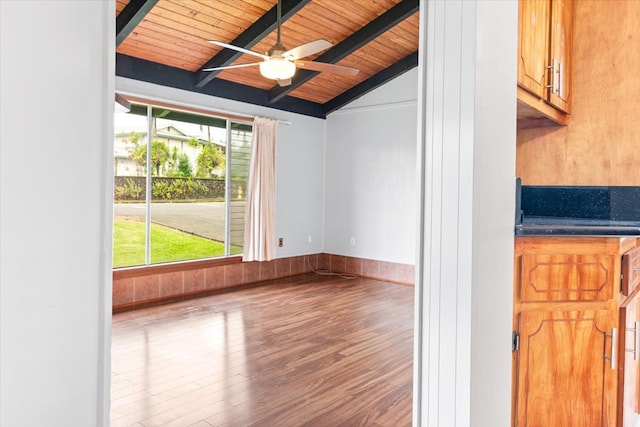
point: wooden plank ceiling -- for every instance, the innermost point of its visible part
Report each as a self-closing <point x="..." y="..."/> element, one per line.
<point x="166" y="42"/>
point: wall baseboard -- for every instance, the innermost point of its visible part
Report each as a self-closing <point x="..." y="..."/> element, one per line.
<point x="137" y="288"/>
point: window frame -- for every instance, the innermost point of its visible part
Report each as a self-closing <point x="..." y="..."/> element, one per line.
<point x="178" y="113"/>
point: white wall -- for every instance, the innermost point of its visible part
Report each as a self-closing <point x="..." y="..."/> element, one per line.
<point x="56" y="81"/>
<point x="370" y="188"/>
<point x="299" y="162"/>
<point x="465" y="270"/>
<point x="494" y="206"/>
<point x="55" y="250"/>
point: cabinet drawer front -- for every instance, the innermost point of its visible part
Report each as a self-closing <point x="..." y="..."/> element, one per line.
<point x="566" y="277"/>
<point x="630" y="271"/>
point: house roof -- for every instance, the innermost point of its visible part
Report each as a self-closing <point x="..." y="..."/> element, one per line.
<point x="174" y="133"/>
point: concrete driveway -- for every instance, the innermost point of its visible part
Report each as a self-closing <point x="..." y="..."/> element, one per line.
<point x="202" y="219"/>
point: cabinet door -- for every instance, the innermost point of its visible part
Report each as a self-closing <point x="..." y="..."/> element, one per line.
<point x="629" y="342"/>
<point x="533" y="45"/>
<point x="565" y="373"/>
<point x="630" y="271"/>
<point x="560" y="47"/>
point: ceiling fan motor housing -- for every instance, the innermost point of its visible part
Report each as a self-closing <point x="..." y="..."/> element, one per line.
<point x="277" y="52"/>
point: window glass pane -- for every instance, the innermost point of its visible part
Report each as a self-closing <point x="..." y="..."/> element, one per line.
<point x="129" y="190"/>
<point x="187" y="203"/>
<point x="240" y="145"/>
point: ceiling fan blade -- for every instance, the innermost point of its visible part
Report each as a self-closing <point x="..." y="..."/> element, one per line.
<point x="283" y="83"/>
<point x="323" y="66"/>
<point x="226" y="67"/>
<point x="307" y="49"/>
<point x="239" y="49"/>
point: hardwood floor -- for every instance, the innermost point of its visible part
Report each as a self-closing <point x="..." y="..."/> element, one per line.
<point x="309" y="350"/>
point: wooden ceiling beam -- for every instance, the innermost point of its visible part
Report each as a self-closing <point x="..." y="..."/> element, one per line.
<point x="405" y="64"/>
<point x="355" y="41"/>
<point x="249" y="38"/>
<point x="132" y="14"/>
<point x="164" y="75"/>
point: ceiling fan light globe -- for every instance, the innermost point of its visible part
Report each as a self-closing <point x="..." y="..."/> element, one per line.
<point x="277" y="69"/>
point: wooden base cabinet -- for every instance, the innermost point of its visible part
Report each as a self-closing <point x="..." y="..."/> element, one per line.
<point x="569" y="337"/>
<point x="565" y="368"/>
<point x="630" y="393"/>
<point x="629" y="376"/>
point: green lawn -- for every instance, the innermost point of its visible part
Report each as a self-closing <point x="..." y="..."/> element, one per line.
<point x="167" y="245"/>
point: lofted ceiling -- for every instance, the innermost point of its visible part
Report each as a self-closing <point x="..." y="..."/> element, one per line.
<point x="166" y="42"/>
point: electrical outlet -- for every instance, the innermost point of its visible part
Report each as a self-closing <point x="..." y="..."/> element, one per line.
<point x="309" y="239"/>
<point x="280" y="242"/>
<point x="353" y="241"/>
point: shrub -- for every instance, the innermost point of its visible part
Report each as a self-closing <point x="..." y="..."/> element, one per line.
<point x="129" y="191"/>
<point x="178" y="189"/>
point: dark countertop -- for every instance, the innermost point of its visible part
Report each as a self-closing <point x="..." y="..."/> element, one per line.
<point x="602" y="203"/>
<point x="578" y="211"/>
<point x="576" y="230"/>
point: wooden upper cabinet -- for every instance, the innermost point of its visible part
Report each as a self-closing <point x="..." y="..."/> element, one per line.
<point x="560" y="53"/>
<point x="545" y="33"/>
<point x="533" y="45"/>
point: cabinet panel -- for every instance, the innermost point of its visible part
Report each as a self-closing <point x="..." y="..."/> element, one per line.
<point x="630" y="357"/>
<point x="565" y="375"/>
<point x="560" y="52"/>
<point x="630" y="271"/>
<point x="562" y="277"/>
<point x="533" y="40"/>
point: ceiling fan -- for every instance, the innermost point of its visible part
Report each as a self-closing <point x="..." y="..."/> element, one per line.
<point x="280" y="64"/>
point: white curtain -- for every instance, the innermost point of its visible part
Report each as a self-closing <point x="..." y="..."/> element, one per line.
<point x="259" y="221"/>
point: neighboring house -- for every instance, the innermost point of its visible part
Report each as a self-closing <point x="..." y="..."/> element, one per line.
<point x="175" y="138"/>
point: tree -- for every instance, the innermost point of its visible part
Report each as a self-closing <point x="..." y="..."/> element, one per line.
<point x="173" y="160"/>
<point x="131" y="144"/>
<point x="160" y="155"/>
<point x="184" y="165"/>
<point x="133" y="139"/>
<point x="210" y="158"/>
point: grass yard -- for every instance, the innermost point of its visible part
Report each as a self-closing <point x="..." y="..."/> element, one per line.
<point x="167" y="245"/>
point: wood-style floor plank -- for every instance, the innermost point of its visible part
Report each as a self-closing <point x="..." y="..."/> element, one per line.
<point x="309" y="350"/>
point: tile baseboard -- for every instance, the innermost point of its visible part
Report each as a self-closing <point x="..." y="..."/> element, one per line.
<point x="151" y="285"/>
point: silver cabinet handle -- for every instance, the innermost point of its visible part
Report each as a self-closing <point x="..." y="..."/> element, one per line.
<point x="636" y="342"/>
<point x="560" y="91"/>
<point x="557" y="78"/>
<point x="614" y="348"/>
<point x="636" y="268"/>
<point x="554" y="79"/>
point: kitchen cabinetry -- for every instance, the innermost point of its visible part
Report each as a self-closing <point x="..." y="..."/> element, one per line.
<point x="567" y="338"/>
<point x="564" y="378"/>
<point x="545" y="34"/>
<point x="629" y="407"/>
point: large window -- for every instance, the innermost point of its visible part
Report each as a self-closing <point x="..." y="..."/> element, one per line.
<point x="182" y="196"/>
